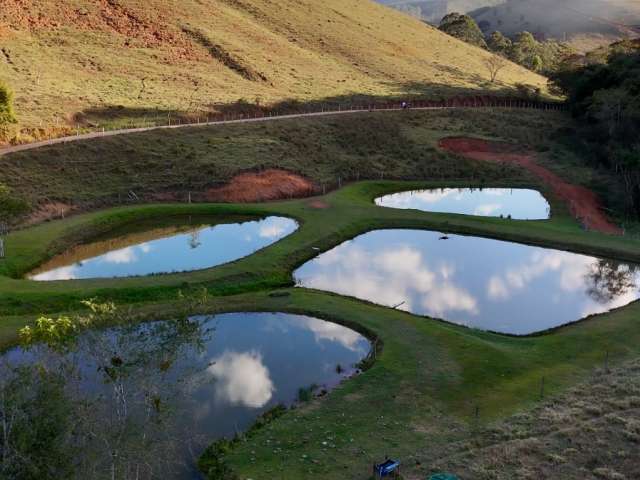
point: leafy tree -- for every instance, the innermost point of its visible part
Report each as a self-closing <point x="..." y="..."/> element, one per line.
<point x="464" y="28"/>
<point x="499" y="44"/>
<point x="606" y="96"/>
<point x="536" y="63"/>
<point x="60" y="420"/>
<point x="35" y="414"/>
<point x="524" y="49"/>
<point x="7" y="114"/>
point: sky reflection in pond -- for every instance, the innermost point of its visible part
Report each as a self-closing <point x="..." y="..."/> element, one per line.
<point x="520" y="204"/>
<point x="184" y="384"/>
<point x="477" y="282"/>
<point x="165" y="250"/>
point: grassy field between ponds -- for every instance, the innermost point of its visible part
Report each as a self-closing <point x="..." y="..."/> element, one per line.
<point x="438" y="395"/>
<point x="418" y="401"/>
<point x="430" y="377"/>
<point x="422" y="393"/>
<point x="348" y="213"/>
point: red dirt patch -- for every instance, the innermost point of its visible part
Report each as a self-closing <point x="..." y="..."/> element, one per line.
<point x="137" y="26"/>
<point x="583" y="203"/>
<point x="262" y="186"/>
<point x="318" y="204"/>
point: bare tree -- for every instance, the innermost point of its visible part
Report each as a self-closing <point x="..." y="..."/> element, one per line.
<point x="494" y="64"/>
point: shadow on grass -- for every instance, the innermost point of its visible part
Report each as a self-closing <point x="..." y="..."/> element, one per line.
<point x="431" y="94"/>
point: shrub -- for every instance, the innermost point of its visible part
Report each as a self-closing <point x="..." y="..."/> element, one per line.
<point x="11" y="207"/>
<point x="7" y="114"/>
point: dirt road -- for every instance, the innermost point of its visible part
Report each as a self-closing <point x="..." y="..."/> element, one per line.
<point x="471" y="102"/>
<point x="583" y="203"/>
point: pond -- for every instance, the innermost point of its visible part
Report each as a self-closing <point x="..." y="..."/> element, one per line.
<point x="162" y="246"/>
<point x="157" y="394"/>
<point x="515" y="203"/>
<point x="480" y="283"/>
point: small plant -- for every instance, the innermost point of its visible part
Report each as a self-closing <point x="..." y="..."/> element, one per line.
<point x="7" y="114"/>
<point x="306" y="394"/>
<point x="59" y="333"/>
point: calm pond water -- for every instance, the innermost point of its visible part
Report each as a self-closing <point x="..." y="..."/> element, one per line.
<point x="147" y="248"/>
<point x="517" y="203"/>
<point x="477" y="282"/>
<point x="163" y="391"/>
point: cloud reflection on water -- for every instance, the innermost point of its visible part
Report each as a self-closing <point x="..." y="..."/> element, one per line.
<point x="514" y="203"/>
<point x="242" y="379"/>
<point x="482" y="283"/>
<point x="390" y="277"/>
<point x="201" y="247"/>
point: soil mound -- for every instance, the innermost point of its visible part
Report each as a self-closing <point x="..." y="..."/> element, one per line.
<point x="262" y="186"/>
<point x="583" y="203"/>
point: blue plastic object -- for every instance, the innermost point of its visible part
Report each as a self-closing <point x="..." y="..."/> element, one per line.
<point x="386" y="468"/>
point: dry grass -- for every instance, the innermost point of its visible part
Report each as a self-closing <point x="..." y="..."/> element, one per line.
<point x="108" y="61"/>
<point x="591" y="432"/>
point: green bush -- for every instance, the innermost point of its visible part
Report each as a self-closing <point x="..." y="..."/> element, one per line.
<point x="11" y="207"/>
<point x="7" y="115"/>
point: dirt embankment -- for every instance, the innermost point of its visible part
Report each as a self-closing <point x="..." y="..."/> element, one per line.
<point x="250" y="187"/>
<point x="262" y="186"/>
<point x="583" y="203"/>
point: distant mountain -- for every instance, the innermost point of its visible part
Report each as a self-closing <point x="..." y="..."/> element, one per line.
<point x="586" y="24"/>
<point x="100" y="60"/>
<point x="432" y="11"/>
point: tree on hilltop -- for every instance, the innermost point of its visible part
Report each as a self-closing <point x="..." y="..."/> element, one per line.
<point x="463" y="27"/>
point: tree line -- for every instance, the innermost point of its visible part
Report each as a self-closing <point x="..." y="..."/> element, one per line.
<point x="603" y="91"/>
<point x="540" y="56"/>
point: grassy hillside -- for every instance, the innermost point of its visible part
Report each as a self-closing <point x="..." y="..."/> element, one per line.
<point x="80" y="61"/>
<point x="167" y="165"/>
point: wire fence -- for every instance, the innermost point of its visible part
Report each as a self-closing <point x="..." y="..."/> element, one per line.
<point x="257" y="113"/>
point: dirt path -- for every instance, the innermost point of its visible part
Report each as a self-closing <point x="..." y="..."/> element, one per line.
<point x="583" y="203"/>
<point x="455" y="103"/>
<point x="113" y="133"/>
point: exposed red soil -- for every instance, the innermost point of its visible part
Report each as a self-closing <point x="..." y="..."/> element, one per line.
<point x="583" y="203"/>
<point x="137" y="27"/>
<point x="262" y="186"/>
<point x="318" y="204"/>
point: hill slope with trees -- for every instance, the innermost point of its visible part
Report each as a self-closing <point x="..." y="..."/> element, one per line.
<point x="584" y="24"/>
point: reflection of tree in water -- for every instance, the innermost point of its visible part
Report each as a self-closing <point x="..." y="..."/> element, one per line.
<point x="194" y="239"/>
<point x="118" y="392"/>
<point x="609" y="279"/>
